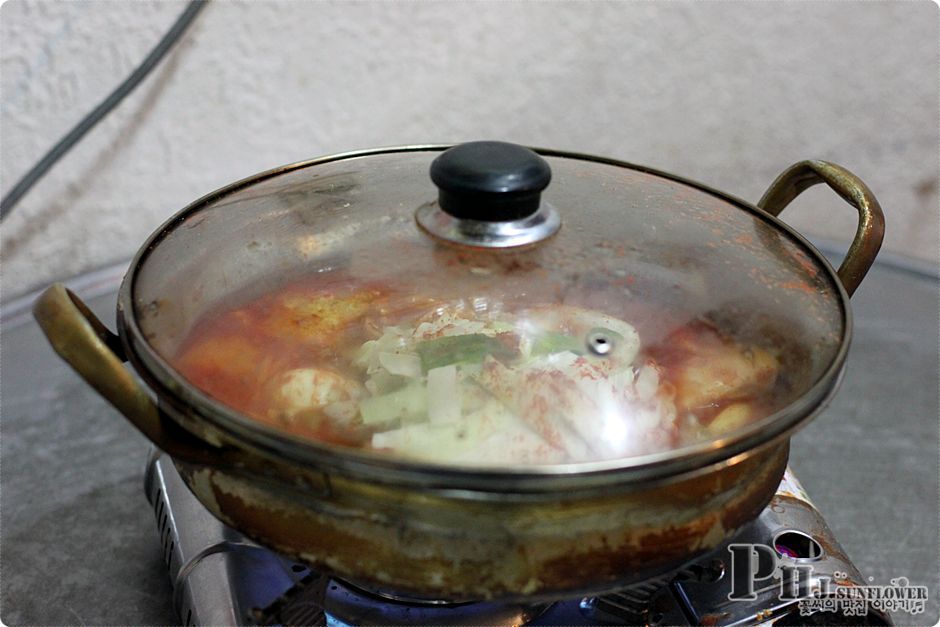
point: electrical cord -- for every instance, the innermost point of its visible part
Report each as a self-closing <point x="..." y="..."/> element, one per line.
<point x="89" y="121"/>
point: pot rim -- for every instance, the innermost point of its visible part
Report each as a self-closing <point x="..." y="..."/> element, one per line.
<point x="239" y="428"/>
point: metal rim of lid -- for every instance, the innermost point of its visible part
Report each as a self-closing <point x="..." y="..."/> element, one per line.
<point x="638" y="471"/>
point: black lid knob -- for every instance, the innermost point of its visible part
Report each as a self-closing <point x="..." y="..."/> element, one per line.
<point x="490" y="181"/>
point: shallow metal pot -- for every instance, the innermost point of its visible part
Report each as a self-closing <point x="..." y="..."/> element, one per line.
<point x="442" y="533"/>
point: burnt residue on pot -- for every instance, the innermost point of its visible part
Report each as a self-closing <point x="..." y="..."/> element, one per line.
<point x="445" y="547"/>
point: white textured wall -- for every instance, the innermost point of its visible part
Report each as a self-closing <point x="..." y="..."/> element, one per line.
<point x="726" y="93"/>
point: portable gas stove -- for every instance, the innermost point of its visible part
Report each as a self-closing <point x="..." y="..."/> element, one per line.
<point x="219" y="577"/>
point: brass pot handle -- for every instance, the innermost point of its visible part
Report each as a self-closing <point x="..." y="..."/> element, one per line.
<point x="96" y="354"/>
<point x="871" y="222"/>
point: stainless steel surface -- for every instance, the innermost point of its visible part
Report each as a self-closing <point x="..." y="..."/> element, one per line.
<point x="71" y="467"/>
<point x="529" y="230"/>
<point x="216" y="574"/>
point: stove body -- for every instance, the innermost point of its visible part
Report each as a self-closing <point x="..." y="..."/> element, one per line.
<point x="219" y="577"/>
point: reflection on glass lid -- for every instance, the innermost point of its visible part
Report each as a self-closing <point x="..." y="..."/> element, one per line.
<point x="658" y="316"/>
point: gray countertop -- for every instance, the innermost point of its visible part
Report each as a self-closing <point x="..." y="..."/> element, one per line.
<point x="79" y="545"/>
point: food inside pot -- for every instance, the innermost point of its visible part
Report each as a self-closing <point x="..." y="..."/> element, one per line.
<point x="476" y="382"/>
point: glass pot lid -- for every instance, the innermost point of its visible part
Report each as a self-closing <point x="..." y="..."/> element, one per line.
<point x="487" y="306"/>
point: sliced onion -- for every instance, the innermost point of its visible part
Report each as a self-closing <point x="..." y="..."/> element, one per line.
<point x="443" y="395"/>
<point x="647" y="382"/>
<point x="404" y="364"/>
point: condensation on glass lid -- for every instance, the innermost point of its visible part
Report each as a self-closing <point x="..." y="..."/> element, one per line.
<point x="479" y="381"/>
